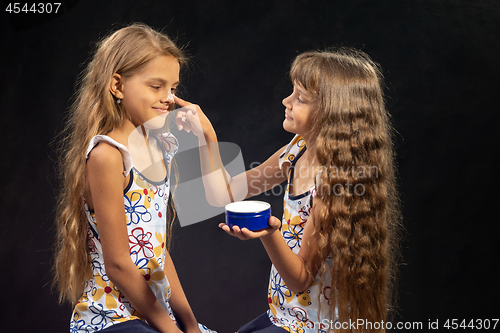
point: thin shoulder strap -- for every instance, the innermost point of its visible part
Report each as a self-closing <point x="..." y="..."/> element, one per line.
<point x="127" y="158"/>
<point x="292" y="150"/>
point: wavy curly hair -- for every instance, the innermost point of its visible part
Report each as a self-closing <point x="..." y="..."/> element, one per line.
<point x="93" y="112"/>
<point x="358" y="222"/>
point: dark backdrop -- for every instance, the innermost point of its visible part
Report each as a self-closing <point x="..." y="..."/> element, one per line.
<point x="440" y="59"/>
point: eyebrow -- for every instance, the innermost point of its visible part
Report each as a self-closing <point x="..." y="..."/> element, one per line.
<point x="160" y="80"/>
<point x="303" y="91"/>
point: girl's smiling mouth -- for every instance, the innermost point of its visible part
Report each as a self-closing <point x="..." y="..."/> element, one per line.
<point x="161" y="110"/>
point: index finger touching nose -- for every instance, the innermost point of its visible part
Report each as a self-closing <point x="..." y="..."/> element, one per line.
<point x="181" y="102"/>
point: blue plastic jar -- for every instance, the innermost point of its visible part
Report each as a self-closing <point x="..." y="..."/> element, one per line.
<point x="252" y="215"/>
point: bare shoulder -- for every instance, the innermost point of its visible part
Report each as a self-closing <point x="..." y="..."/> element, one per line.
<point x="105" y="158"/>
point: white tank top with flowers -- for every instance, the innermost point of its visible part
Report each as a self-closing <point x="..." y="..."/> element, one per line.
<point x="102" y="304"/>
<point x="297" y="312"/>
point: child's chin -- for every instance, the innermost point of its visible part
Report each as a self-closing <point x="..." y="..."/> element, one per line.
<point x="156" y="122"/>
<point x="287" y="128"/>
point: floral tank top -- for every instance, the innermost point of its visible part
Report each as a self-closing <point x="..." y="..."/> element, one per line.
<point x="297" y="312"/>
<point x="102" y="304"/>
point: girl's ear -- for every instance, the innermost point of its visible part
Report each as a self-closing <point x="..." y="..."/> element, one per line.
<point x="116" y="86"/>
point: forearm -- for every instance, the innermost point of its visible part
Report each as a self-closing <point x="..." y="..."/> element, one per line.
<point x="220" y="187"/>
<point x="178" y="300"/>
<point x="291" y="267"/>
<point x="132" y="284"/>
<point x="215" y="177"/>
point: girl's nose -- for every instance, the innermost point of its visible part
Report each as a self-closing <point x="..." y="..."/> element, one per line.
<point x="169" y="98"/>
<point x="286" y="102"/>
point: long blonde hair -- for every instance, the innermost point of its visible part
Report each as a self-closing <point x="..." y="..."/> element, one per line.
<point x="358" y="223"/>
<point x="93" y="112"/>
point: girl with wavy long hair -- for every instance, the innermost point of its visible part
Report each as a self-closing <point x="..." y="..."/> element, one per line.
<point x="334" y="251"/>
<point x="112" y="261"/>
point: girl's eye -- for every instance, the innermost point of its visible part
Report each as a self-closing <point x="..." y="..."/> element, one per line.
<point x="156" y="87"/>
<point x="300" y="101"/>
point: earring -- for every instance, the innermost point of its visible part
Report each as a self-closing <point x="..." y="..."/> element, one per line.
<point x="118" y="101"/>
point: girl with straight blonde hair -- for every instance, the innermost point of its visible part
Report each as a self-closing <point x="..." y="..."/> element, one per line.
<point x="112" y="261"/>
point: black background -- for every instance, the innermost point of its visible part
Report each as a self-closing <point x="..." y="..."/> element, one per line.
<point x="441" y="63"/>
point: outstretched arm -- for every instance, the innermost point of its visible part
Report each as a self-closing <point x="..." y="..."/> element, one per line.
<point x="105" y="179"/>
<point x="220" y="187"/>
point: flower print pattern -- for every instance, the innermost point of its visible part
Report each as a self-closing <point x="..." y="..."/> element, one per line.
<point x="135" y="210"/>
<point x="326" y="294"/>
<point x="106" y="289"/>
<point x="139" y="242"/>
<point x="90" y="236"/>
<point x="293" y="149"/>
<point x="296" y="327"/>
<point x="102" y="304"/>
<point x="295" y="312"/>
<point x="290" y="219"/>
<point x="290" y="157"/>
<point x="77" y="323"/>
<point x="160" y="249"/>
<point x="298" y="313"/>
<point x="170" y="145"/>
<point x="304" y="298"/>
<point x="304" y="213"/>
<point x="279" y="291"/>
<point x="96" y="265"/>
<point x="293" y="235"/>
<point x="102" y="316"/>
<point x="272" y="305"/>
<point x="152" y="273"/>
<point x="152" y="190"/>
<point x="292" y="229"/>
<point x="148" y="190"/>
<point x="168" y="291"/>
